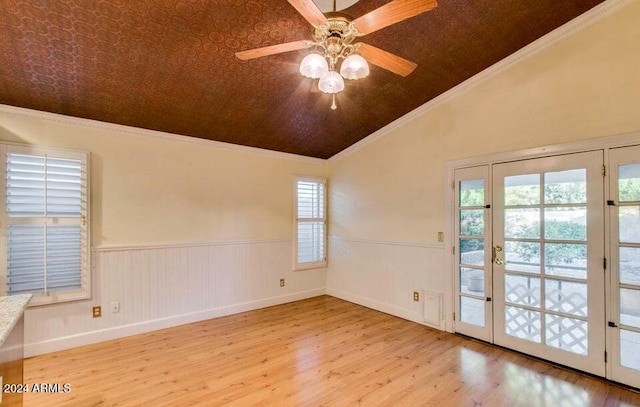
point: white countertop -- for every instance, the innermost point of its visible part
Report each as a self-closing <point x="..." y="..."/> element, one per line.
<point x="11" y="309"/>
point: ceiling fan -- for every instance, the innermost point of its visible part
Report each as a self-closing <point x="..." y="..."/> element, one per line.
<point x="333" y="40"/>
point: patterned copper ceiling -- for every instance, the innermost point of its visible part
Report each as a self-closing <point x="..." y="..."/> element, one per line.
<point x="169" y="65"/>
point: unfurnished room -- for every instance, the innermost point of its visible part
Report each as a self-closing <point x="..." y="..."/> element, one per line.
<point x="319" y="203"/>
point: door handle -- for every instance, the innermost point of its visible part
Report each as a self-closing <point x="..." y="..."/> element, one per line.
<point x="494" y="255"/>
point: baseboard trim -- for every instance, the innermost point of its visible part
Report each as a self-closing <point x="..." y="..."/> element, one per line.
<point x="380" y="306"/>
<point x="88" y="338"/>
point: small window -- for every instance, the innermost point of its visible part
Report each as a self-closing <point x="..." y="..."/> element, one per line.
<point x="311" y="225"/>
<point x="45" y="224"/>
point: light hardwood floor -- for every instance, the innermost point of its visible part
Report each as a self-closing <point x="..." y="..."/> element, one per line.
<point x="318" y="352"/>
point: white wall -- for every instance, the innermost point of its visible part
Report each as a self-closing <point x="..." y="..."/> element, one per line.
<point x="383" y="275"/>
<point x="387" y="193"/>
<point x="182" y="229"/>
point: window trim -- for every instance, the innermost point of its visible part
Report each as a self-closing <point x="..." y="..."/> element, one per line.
<point x="316" y="264"/>
<point x="84" y="292"/>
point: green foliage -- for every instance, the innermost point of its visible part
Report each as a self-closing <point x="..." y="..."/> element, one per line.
<point x="522" y="195"/>
<point x="555" y="229"/>
<point x="524" y="225"/>
<point x="470" y="245"/>
<point x="565" y="230"/>
<point x="629" y="189"/>
<point x="472" y="222"/>
<point x="524" y="250"/>
<point x="554" y="193"/>
<point x="472" y="197"/>
<point x="556" y="253"/>
<point x="567" y="192"/>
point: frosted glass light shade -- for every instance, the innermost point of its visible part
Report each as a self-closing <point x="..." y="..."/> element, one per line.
<point x="314" y="66"/>
<point x="354" y="67"/>
<point x="331" y="83"/>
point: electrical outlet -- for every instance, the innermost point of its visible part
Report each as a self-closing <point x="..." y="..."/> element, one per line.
<point x="282" y="282"/>
<point x="115" y="307"/>
<point x="440" y="236"/>
<point x="416" y="296"/>
<point x="97" y="311"/>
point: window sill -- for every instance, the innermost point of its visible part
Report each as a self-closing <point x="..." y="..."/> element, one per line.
<point x="309" y="266"/>
<point x="39" y="300"/>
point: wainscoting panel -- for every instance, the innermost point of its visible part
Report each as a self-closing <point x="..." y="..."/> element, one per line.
<point x="162" y="286"/>
<point x="384" y="275"/>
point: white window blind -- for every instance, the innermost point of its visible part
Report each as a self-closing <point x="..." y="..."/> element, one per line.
<point x="311" y="225"/>
<point x="43" y="187"/>
<point x="46" y="225"/>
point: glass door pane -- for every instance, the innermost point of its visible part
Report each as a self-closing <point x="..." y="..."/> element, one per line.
<point x="545" y="218"/>
<point x="473" y="268"/>
<point x="548" y="221"/>
<point x="624" y="329"/>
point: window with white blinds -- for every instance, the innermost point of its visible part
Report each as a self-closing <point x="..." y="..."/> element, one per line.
<point x="45" y="224"/>
<point x="310" y="243"/>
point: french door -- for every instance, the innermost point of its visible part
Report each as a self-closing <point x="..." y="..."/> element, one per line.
<point x="624" y="313"/>
<point x="536" y="239"/>
<point x="473" y="273"/>
<point x="548" y="259"/>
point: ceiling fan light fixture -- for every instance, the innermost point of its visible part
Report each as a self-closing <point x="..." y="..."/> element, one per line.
<point x="354" y="67"/>
<point x="331" y="83"/>
<point x="334" y="39"/>
<point x="314" y="66"/>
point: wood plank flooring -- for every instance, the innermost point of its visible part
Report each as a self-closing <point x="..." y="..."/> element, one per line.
<point x="317" y="352"/>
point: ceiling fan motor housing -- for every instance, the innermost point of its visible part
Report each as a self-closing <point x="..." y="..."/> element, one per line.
<point x="336" y="37"/>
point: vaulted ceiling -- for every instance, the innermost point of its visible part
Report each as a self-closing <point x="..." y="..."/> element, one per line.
<point x="170" y="65"/>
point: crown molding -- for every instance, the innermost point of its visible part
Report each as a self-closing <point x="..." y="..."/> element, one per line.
<point x="579" y="23"/>
<point x="123" y="129"/>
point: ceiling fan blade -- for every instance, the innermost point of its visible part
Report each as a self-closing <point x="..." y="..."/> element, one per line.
<point x="309" y="11"/>
<point x="386" y="60"/>
<point x="273" y="49"/>
<point x="392" y="13"/>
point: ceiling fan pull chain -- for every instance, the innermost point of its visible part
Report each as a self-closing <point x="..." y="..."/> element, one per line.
<point x="333" y="104"/>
